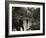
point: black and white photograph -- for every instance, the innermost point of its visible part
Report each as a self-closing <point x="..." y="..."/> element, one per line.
<point x="25" y="19"/>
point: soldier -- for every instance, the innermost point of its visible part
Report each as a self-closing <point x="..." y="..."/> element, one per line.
<point x="21" y="24"/>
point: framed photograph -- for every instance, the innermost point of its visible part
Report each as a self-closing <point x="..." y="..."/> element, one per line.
<point x="24" y="18"/>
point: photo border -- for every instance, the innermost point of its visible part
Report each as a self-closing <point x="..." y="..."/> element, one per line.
<point x="7" y="18"/>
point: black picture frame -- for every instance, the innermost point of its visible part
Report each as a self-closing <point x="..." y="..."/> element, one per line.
<point x="7" y="18"/>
